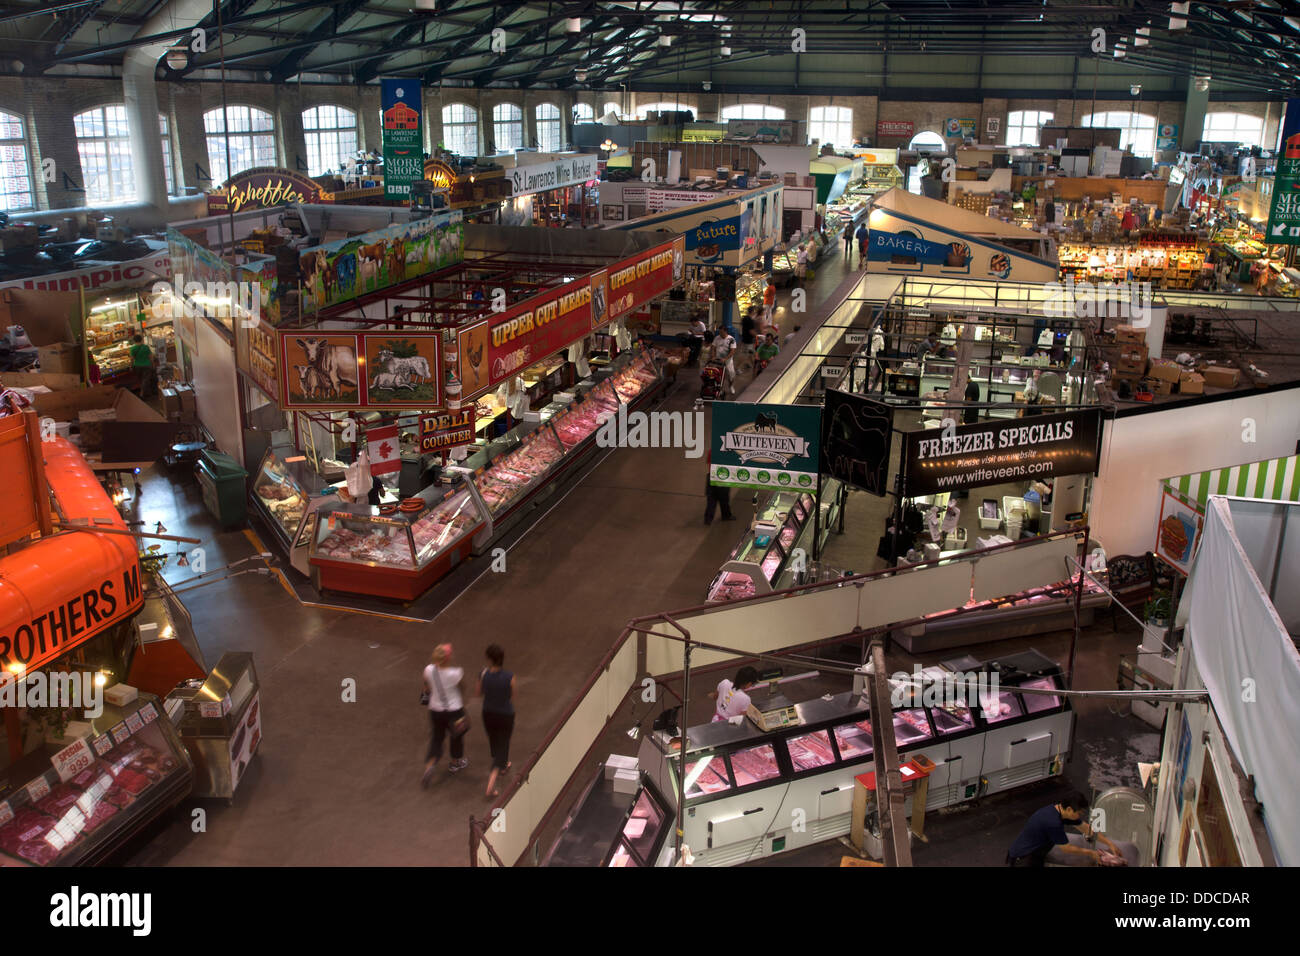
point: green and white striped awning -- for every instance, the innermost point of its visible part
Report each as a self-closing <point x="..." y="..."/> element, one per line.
<point x="1277" y="479"/>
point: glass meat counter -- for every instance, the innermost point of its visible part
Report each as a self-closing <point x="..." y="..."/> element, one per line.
<point x="398" y="555"/>
<point x="763" y="553"/>
<point x="75" y="803"/>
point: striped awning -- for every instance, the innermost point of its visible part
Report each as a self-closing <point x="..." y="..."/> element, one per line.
<point x="1277" y="479"/>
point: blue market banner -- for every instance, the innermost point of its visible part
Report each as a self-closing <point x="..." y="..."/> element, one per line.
<point x="907" y="248"/>
<point x="765" y="446"/>
<point x="711" y="239"/>
<point x="401" y="115"/>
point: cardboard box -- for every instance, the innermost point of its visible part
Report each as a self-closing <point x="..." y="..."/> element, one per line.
<point x="60" y="358"/>
<point x="1165" y="370"/>
<point x="1160" y="386"/>
<point x="1221" y="376"/>
<point x="1128" y="334"/>
<point x="619" y="762"/>
<point x="90" y="425"/>
<point x="133" y="433"/>
<point x="1191" y="384"/>
<point x="171" y="403"/>
<point x="627" y="781"/>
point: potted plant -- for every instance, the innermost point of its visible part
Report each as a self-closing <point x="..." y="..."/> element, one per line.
<point x="1157" y="609"/>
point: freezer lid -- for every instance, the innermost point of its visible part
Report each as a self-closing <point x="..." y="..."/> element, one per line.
<point x="226" y="692"/>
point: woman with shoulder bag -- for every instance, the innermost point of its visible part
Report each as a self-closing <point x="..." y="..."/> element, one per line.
<point x="446" y="711"/>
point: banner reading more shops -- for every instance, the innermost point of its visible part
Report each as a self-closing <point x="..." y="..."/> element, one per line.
<point x="402" y="137"/>
<point x="1007" y="450"/>
<point x="765" y="446"/>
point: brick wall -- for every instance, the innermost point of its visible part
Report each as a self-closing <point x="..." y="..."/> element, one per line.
<point x="47" y="106"/>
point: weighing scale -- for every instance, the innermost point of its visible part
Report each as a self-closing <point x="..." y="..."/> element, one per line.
<point x="776" y="712"/>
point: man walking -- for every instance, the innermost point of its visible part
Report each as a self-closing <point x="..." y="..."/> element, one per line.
<point x="715" y="496"/>
<point x="862" y="244"/>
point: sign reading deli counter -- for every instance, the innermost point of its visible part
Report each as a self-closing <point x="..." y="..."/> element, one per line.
<point x="493" y="350"/>
<point x="64" y="589"/>
<point x="1006" y="450"/>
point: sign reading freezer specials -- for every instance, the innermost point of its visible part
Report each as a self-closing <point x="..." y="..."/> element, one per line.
<point x="262" y="188"/>
<point x="401" y="111"/>
<point x="1284" y="215"/>
<point x="765" y="446"/>
<point x="52" y="632"/>
<point x="447" y="429"/>
<point x="989" y="453"/>
<point x="569" y="171"/>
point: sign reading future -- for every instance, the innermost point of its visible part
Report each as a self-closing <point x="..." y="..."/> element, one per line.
<point x="765" y="446"/>
<point x="990" y="453"/>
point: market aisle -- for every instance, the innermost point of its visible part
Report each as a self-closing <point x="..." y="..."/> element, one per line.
<point x="337" y="782"/>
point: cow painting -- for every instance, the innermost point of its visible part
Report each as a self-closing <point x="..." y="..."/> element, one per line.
<point x="329" y="374"/>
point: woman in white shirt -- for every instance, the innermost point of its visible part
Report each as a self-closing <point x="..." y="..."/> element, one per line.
<point x="446" y="711"/>
<point x="732" y="701"/>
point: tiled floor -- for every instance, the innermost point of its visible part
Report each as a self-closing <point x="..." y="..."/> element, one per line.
<point x="338" y="783"/>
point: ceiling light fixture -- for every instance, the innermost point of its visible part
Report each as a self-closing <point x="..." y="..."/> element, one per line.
<point x="707" y="86"/>
<point x="178" y="57"/>
<point x="1202" y="84"/>
<point x="573" y="25"/>
<point x="726" y="51"/>
<point x="1135" y="89"/>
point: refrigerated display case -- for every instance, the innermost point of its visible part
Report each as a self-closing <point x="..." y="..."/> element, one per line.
<point x="76" y="805"/>
<point x="608" y="828"/>
<point x="220" y="722"/>
<point x="526" y="465"/>
<point x="758" y="562"/>
<point x="400" y="555"/>
<point x="738" y="776"/>
<point x="285" y="491"/>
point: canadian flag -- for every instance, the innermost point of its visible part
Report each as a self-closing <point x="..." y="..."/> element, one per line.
<point x="384" y="449"/>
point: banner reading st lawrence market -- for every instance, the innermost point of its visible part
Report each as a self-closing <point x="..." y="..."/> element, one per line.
<point x="401" y="114"/>
<point x="1015" y="449"/>
<point x="765" y="446"/>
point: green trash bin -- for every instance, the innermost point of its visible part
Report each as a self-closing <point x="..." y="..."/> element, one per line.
<point x="221" y="480"/>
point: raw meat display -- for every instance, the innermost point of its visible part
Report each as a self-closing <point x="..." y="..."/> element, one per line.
<point x="710" y="780"/>
<point x="952" y="718"/>
<point x="26" y="826"/>
<point x="772" y="563"/>
<point x="732" y="587"/>
<point x="57" y="800"/>
<point x="1037" y="702"/>
<point x="1002" y="707"/>
<point x="511" y="474"/>
<point x="621" y="857"/>
<point x="810" y="750"/>
<point x="361" y="540"/>
<point x="788" y="534"/>
<point x="755" y="764"/>
<point x="854" y="739"/>
<point x="103" y="812"/>
<point x="39" y="852"/>
<point x="910" y="725"/>
<point x="444" y="525"/>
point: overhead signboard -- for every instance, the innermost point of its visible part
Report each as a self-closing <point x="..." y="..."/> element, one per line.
<point x="439" y="173"/>
<point x="1004" y="450"/>
<point x="493" y="350"/>
<point x="857" y="433"/>
<point x="447" y="429"/>
<point x="903" y="129"/>
<point x="765" y="446"/>
<point x="383" y="369"/>
<point x="401" y="115"/>
<point x="101" y="276"/>
<point x="262" y="188"/>
<point x="564" y="171"/>
<point x="1284" y="215"/>
<point x="958" y="128"/>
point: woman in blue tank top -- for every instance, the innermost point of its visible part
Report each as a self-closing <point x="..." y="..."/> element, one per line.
<point x="496" y="686"/>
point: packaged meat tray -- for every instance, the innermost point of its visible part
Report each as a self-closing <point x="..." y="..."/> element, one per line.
<point x="710" y="779"/>
<point x="755" y="764"/>
<point x="910" y="725"/>
<point x="26" y="826"/>
<point x="854" y="740"/>
<point x="58" y="800"/>
<point x="810" y="751"/>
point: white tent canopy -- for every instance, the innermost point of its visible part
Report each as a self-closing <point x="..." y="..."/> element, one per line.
<point x="1245" y="655"/>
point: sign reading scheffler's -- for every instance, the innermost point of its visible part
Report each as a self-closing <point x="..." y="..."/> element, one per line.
<point x="989" y="453"/>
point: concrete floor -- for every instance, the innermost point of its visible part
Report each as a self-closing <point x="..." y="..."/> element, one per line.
<point x="337" y="783"/>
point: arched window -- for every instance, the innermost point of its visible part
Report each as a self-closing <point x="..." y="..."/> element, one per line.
<point x="611" y="108"/>
<point x="250" y="135"/>
<point x="831" y="124"/>
<point x="460" y="129"/>
<point x="584" y="113"/>
<point x="1023" y="126"/>
<point x="331" y="135"/>
<point x="1234" y="128"/>
<point x="643" y="110"/>
<point x="508" y="127"/>
<point x="928" y="142"/>
<point x="752" y="111"/>
<point x="1138" y="130"/>
<point x="104" y="145"/>
<point x="164" y="130"/>
<point x="15" y="171"/>
<point x="547" y="117"/>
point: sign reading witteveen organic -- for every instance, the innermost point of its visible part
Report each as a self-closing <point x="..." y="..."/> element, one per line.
<point x="765" y="446"/>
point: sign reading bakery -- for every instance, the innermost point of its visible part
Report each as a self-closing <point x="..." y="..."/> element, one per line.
<point x="1005" y="450"/>
<point x="447" y="429"/>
